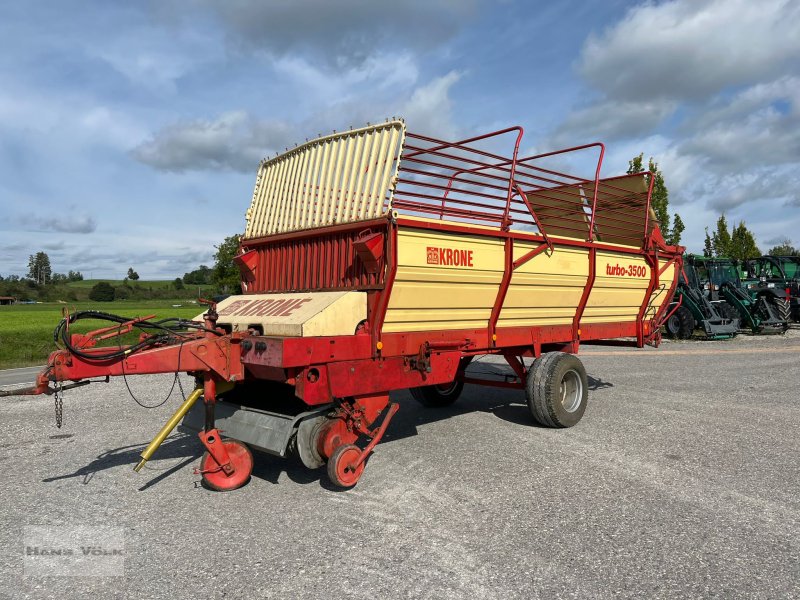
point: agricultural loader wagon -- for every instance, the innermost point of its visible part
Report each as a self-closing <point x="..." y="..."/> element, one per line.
<point x="377" y="260"/>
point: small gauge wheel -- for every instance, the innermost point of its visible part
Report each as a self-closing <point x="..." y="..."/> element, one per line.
<point x="340" y="466"/>
<point x="242" y="461"/>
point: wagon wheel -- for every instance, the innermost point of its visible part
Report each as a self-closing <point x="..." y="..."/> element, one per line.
<point x="557" y="389"/>
<point x="340" y="466"/>
<point x="437" y="396"/>
<point x="242" y="461"/>
<point x="307" y="439"/>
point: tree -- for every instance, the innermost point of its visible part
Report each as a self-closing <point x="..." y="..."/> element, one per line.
<point x="226" y="274"/>
<point x="659" y="200"/>
<point x="708" y="247"/>
<point x="178" y="283"/>
<point x="677" y="231"/>
<point x="132" y="275"/>
<point x="722" y="238"/>
<point x="102" y="292"/>
<point x="743" y="243"/>
<point x="785" y="248"/>
<point x="200" y="276"/>
<point x="39" y="267"/>
<point x="74" y="276"/>
<point x="740" y="243"/>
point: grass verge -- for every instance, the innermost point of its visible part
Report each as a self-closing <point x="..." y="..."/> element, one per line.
<point x="26" y="330"/>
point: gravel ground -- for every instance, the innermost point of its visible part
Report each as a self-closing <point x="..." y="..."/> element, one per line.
<point x="681" y="481"/>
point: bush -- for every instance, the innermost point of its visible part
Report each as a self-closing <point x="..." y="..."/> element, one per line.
<point x="122" y="293"/>
<point x="102" y="292"/>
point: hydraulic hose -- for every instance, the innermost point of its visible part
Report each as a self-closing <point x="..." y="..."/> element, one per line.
<point x="171" y="330"/>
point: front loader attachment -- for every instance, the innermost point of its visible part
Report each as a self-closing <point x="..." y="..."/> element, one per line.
<point x="714" y="325"/>
<point x="759" y="314"/>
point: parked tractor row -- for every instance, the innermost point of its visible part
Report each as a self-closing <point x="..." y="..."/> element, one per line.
<point x="721" y="297"/>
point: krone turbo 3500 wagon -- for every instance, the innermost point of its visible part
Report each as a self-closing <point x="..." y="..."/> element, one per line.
<point x="377" y="260"/>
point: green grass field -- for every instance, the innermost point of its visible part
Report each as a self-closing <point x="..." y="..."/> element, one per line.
<point x="26" y="330"/>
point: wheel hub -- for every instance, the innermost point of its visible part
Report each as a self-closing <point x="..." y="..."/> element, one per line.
<point x="571" y="391"/>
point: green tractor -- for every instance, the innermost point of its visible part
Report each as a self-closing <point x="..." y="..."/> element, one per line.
<point x="721" y="284"/>
<point x="777" y="278"/>
<point x="691" y="309"/>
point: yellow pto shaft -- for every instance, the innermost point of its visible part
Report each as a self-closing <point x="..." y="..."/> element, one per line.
<point x="148" y="452"/>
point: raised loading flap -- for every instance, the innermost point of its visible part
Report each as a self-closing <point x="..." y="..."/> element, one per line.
<point x="298" y="314"/>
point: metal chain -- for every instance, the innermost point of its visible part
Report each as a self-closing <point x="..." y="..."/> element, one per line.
<point x="59" y="399"/>
<point x="180" y="385"/>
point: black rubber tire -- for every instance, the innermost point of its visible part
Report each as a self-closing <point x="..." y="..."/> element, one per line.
<point x="784" y="309"/>
<point x="551" y="380"/>
<point x="680" y="324"/>
<point x="728" y="312"/>
<point x="437" y="396"/>
<point x="434" y="396"/>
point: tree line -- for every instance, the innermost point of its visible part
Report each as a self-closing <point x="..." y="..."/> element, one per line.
<point x="43" y="284"/>
<point x="224" y="275"/>
<point x="40" y="272"/>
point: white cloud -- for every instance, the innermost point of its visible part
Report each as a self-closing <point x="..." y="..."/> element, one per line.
<point x="759" y="127"/>
<point x="237" y="140"/>
<point x="380" y="72"/>
<point x="234" y="141"/>
<point x="611" y="119"/>
<point x="711" y="90"/>
<point x="343" y="33"/>
<point x="784" y="90"/>
<point x="156" y="71"/>
<point x="78" y="119"/>
<point x="756" y="187"/>
<point x="68" y="223"/>
<point x="429" y="109"/>
<point x="692" y="49"/>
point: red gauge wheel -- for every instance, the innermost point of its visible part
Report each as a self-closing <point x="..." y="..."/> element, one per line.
<point x="241" y="460"/>
<point x="340" y="466"/>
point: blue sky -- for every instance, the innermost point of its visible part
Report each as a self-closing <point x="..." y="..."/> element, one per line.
<point x="130" y="133"/>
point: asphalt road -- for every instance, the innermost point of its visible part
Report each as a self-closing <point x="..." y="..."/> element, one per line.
<point x="12" y="377"/>
<point x="681" y="481"/>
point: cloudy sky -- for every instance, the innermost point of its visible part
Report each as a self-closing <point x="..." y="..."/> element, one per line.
<point x="130" y="132"/>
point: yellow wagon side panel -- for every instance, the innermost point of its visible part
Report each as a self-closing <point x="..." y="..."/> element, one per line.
<point x="620" y="284"/>
<point x="547" y="289"/>
<point x="443" y="281"/>
<point x="450" y="281"/>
